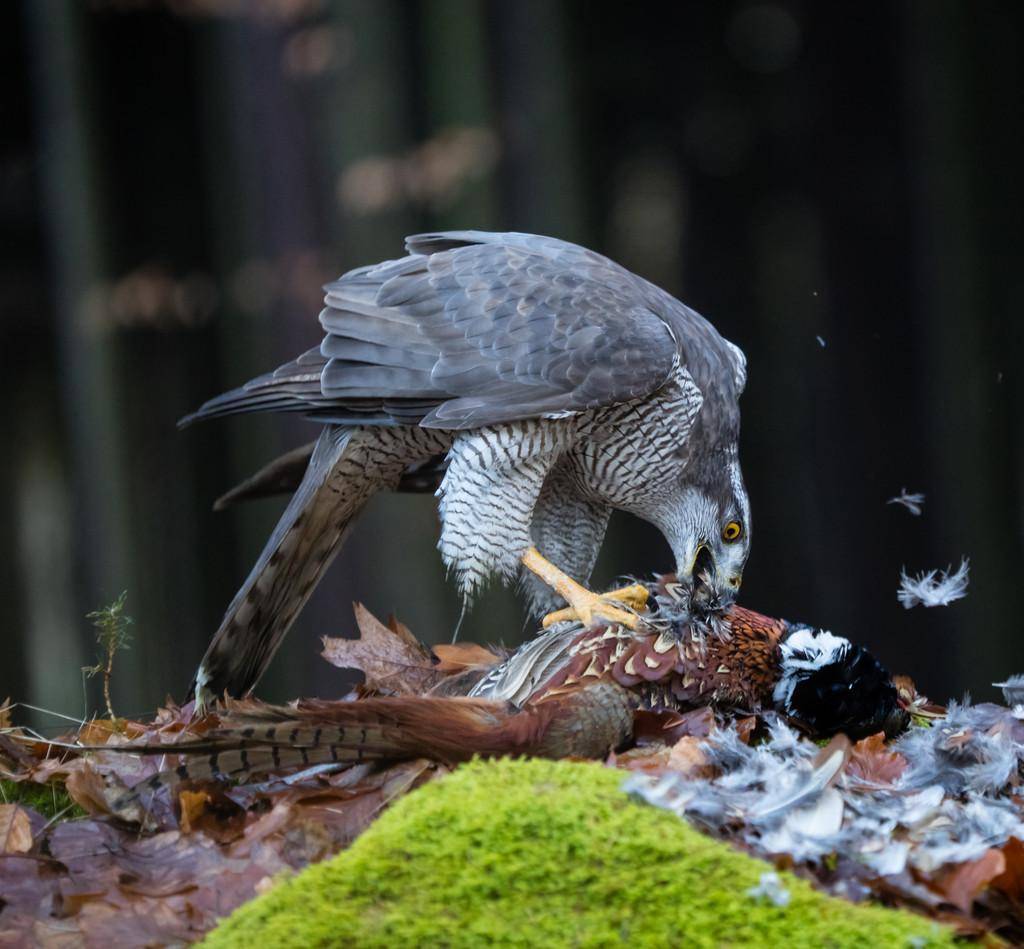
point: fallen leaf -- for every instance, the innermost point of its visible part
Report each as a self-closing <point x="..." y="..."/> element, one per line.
<point x="390" y="659"/>
<point x="651" y="758"/>
<point x="192" y="805"/>
<point x="1011" y="880"/>
<point x="669" y="727"/>
<point x="99" y="731"/>
<point x="688" y="757"/>
<point x="88" y="790"/>
<point x="457" y="657"/>
<point x="960" y="884"/>
<point x="922" y="710"/>
<point x="15" y="829"/>
<point x="873" y="763"/>
<point x="745" y="728"/>
<point x="402" y="631"/>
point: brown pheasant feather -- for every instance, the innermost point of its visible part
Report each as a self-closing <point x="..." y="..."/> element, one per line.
<point x="256" y="738"/>
<point x="570" y="692"/>
<point x="673" y="668"/>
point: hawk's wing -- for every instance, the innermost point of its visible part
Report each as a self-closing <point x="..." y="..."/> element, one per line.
<point x="474" y="329"/>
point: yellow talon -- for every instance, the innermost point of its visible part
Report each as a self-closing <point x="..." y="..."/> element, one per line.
<point x="584" y="604"/>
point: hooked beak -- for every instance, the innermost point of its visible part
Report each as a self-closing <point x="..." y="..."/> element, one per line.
<point x="709" y="590"/>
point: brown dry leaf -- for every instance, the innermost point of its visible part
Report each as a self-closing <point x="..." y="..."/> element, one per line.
<point x="402" y="631"/>
<point x="346" y="810"/>
<point x="17" y="757"/>
<point x="390" y="659"/>
<point x="15" y="829"/>
<point x="193" y="805"/>
<point x="872" y="762"/>
<point x="204" y="806"/>
<point x="87" y="789"/>
<point x="961" y="883"/>
<point x="689" y="758"/>
<point x="651" y="758"/>
<point x="100" y="730"/>
<point x="457" y="657"/>
<point x="669" y="727"/>
<point x="745" y="728"/>
<point x="49" y="769"/>
<point x="1011" y="880"/>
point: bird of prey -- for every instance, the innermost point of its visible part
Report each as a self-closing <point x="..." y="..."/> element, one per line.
<point x="545" y="386"/>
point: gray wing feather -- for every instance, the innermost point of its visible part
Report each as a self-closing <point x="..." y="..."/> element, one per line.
<point x="474" y="329"/>
<point x="530" y="666"/>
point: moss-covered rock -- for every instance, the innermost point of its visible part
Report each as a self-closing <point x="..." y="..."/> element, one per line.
<point x="540" y="853"/>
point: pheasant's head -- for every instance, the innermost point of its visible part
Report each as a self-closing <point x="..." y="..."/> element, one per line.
<point x="833" y="685"/>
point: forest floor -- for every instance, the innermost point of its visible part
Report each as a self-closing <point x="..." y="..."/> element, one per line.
<point x="932" y="822"/>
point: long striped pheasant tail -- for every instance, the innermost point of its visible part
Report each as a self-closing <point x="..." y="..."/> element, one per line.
<point x="260" y="738"/>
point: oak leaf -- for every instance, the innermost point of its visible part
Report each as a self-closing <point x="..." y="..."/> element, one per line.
<point x="390" y="657"/>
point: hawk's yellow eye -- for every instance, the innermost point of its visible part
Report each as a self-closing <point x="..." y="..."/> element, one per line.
<point x="731" y="531"/>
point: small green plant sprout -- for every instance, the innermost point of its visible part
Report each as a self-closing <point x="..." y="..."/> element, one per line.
<point x="112" y="633"/>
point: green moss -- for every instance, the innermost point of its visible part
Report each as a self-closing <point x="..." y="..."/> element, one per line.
<point x="50" y="800"/>
<point x="539" y="853"/>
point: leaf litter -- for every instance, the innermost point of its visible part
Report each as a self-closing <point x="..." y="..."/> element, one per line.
<point x="932" y="821"/>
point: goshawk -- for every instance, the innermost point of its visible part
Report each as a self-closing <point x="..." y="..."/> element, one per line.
<point x="543" y="386"/>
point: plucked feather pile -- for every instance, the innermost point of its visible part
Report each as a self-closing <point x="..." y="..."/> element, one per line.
<point x="867" y="818"/>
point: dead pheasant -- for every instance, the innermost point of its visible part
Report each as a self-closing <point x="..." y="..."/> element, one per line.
<point x="571" y="692"/>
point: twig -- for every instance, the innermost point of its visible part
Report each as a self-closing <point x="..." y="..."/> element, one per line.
<point x="112" y="624"/>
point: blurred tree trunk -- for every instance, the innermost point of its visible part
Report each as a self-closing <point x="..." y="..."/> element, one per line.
<point x="964" y="117"/>
<point x="75" y="225"/>
<point x="122" y="258"/>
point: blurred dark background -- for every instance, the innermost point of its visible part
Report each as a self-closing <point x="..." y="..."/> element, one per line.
<point x="837" y="187"/>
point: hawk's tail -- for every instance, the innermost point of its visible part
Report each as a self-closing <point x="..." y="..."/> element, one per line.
<point x="347" y="467"/>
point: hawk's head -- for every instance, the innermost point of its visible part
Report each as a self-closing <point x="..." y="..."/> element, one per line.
<point x="707" y="524"/>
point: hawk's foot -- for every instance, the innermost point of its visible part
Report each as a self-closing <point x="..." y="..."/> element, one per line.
<point x="584" y="605"/>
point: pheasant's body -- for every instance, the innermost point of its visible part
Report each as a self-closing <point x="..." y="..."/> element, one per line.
<point x="571" y="692"/>
<point x="735" y="665"/>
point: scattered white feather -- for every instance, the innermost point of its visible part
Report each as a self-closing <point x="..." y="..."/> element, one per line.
<point x="821" y="342"/>
<point x="1013" y="690"/>
<point x="913" y="502"/>
<point x="933" y="587"/>
<point x="771" y="889"/>
<point x="953" y="802"/>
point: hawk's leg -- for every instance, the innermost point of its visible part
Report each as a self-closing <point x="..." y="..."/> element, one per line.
<point x="569" y="527"/>
<point x="488" y="496"/>
<point x="583" y="604"/>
